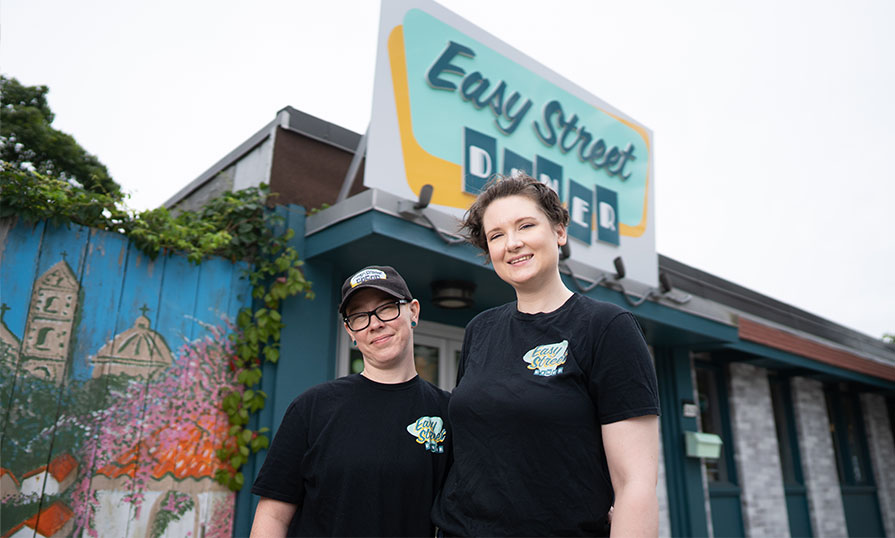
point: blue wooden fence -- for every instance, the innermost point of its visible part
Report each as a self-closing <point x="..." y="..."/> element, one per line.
<point x="113" y="366"/>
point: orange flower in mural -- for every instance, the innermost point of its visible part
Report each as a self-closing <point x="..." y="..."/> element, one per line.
<point x="157" y="442"/>
<point x="189" y="451"/>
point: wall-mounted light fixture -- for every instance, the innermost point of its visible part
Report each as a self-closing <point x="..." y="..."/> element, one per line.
<point x="416" y="209"/>
<point x="565" y="252"/>
<point x="664" y="290"/>
<point x="453" y="293"/>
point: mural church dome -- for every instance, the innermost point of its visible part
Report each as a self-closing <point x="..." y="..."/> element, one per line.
<point x="138" y="352"/>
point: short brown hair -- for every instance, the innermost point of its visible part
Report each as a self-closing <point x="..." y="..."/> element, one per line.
<point x="500" y="186"/>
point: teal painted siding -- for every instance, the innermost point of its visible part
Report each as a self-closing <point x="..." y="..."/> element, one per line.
<point x="307" y="354"/>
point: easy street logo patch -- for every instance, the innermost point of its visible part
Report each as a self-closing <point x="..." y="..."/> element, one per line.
<point x="367" y="274"/>
<point x="428" y="431"/>
<point x="547" y="360"/>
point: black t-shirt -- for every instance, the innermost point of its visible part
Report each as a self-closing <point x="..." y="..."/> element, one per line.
<point x="533" y="390"/>
<point x="360" y="458"/>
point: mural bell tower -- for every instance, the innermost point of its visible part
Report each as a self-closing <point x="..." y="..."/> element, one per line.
<point x="51" y="317"/>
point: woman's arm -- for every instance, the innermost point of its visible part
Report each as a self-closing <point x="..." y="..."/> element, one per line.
<point x="632" y="451"/>
<point x="272" y="518"/>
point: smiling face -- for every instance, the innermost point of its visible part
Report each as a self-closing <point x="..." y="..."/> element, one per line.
<point x="384" y="344"/>
<point x="522" y="242"/>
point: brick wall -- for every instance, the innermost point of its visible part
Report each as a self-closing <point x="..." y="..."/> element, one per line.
<point x="756" y="452"/>
<point x="882" y="455"/>
<point x="818" y="460"/>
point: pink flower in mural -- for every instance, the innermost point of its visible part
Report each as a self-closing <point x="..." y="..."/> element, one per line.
<point x="220" y="523"/>
<point x="160" y="434"/>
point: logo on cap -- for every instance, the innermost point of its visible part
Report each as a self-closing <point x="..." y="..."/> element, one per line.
<point x="367" y="275"/>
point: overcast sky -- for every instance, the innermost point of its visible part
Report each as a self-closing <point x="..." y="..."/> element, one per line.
<point x="773" y="121"/>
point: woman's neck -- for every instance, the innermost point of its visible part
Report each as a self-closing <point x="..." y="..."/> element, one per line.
<point x="399" y="374"/>
<point x="543" y="298"/>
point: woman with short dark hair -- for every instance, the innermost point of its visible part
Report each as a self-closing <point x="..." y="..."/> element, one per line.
<point x="555" y="413"/>
<point x="365" y="454"/>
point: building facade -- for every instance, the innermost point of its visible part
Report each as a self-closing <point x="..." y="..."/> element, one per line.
<point x="803" y="407"/>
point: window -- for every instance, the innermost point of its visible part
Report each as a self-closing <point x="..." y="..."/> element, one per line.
<point x="859" y="496"/>
<point x="784" y="421"/>
<point x="847" y="430"/>
<point x="890" y="403"/>
<point x="712" y="414"/>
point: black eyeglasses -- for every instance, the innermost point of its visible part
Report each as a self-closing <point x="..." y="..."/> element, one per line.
<point x="387" y="312"/>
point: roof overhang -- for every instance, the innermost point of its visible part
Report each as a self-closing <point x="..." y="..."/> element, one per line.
<point x="376" y="227"/>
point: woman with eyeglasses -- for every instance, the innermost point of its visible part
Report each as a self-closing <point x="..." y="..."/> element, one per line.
<point x="365" y="454"/>
<point x="554" y="417"/>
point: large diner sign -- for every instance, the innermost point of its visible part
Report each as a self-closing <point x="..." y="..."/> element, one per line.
<point x="453" y="105"/>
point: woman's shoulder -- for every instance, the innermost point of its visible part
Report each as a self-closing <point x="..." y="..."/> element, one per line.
<point x="432" y="391"/>
<point x="593" y="311"/>
<point x="598" y="315"/>
<point x="334" y="388"/>
<point x="492" y="315"/>
<point x="595" y="307"/>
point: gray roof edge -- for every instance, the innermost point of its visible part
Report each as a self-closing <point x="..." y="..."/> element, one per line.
<point x="298" y="122"/>
<point x="251" y="143"/>
<point x="321" y="130"/>
<point x="709" y="286"/>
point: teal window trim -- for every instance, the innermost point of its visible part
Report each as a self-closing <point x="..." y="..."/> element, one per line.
<point x="890" y="403"/>
<point x="686" y="497"/>
<point x="723" y="489"/>
<point x="871" y="490"/>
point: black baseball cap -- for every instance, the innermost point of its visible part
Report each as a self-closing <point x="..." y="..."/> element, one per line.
<point x="378" y="277"/>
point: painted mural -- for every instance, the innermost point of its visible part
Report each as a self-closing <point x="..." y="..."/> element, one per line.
<point x="112" y="368"/>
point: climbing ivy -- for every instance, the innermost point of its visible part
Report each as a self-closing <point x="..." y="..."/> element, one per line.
<point x="236" y="225"/>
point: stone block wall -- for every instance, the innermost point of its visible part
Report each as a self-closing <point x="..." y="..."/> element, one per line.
<point x="818" y="459"/>
<point x="882" y="455"/>
<point x="756" y="453"/>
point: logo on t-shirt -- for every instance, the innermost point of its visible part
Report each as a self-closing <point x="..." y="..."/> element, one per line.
<point x="548" y="359"/>
<point x="428" y="431"/>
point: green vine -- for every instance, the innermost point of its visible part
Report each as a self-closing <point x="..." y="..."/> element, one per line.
<point x="236" y="225"/>
<point x="276" y="276"/>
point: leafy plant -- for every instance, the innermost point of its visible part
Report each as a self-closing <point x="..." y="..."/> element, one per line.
<point x="34" y="196"/>
<point x="277" y="276"/>
<point x="29" y="142"/>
